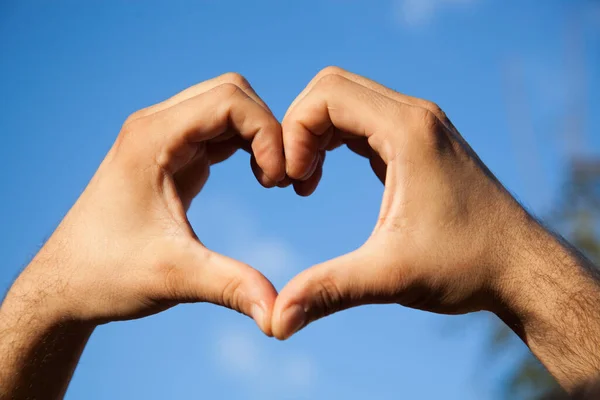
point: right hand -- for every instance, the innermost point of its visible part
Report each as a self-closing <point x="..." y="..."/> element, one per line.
<point x="445" y="225"/>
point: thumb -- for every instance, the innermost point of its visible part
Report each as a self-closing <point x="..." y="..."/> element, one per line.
<point x="364" y="276"/>
<point x="197" y="274"/>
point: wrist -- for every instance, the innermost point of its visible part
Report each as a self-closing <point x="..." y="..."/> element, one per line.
<point x="40" y="341"/>
<point x="521" y="287"/>
<point x="549" y="296"/>
<point x="539" y="276"/>
<point x="39" y="296"/>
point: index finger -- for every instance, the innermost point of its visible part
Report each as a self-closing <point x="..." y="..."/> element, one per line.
<point x="203" y="87"/>
<point x="170" y="135"/>
<point x="352" y="108"/>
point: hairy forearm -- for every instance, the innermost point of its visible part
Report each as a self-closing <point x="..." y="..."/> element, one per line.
<point x="40" y="345"/>
<point x="553" y="303"/>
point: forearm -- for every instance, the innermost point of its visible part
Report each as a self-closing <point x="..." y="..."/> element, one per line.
<point x="40" y="345"/>
<point x="552" y="301"/>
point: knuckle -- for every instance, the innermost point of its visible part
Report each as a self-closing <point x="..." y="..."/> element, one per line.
<point x="432" y="131"/>
<point x="435" y="109"/>
<point x="236" y="79"/>
<point x="330" y="70"/>
<point x="428" y="119"/>
<point x="228" y="89"/>
<point x="328" y="296"/>
<point x="232" y="294"/>
<point x="271" y="125"/>
<point x="328" y="78"/>
<point x="135" y="115"/>
<point x="167" y="277"/>
<point x="130" y="127"/>
<point x="171" y="280"/>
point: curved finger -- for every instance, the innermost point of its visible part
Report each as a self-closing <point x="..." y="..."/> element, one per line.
<point x="171" y="134"/>
<point x="375" y="86"/>
<point x="307" y="187"/>
<point x="352" y="108"/>
<point x="259" y="174"/>
<point x="203" y="87"/>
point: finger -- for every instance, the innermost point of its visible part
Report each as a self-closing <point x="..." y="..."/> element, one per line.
<point x="329" y="140"/>
<point x="193" y="273"/>
<point x="307" y="187"/>
<point x="203" y="87"/>
<point x="208" y="115"/>
<point x="370" y="84"/>
<point x="352" y="108"/>
<point x="361" y="277"/>
<point x="259" y="174"/>
<point x="285" y="182"/>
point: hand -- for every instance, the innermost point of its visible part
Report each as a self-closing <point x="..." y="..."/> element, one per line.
<point x="445" y="223"/>
<point x="126" y="249"/>
<point x="449" y="238"/>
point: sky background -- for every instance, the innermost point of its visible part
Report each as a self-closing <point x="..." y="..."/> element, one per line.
<point x="510" y="74"/>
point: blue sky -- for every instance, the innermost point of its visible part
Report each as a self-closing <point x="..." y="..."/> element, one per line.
<point x="510" y="74"/>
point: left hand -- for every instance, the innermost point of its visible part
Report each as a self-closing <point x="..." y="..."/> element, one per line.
<point x="126" y="248"/>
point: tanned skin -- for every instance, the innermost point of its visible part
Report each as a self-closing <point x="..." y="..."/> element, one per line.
<point x="449" y="239"/>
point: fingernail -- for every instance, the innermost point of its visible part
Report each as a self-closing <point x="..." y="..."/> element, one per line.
<point x="313" y="167"/>
<point x="294" y="318"/>
<point x="258" y="314"/>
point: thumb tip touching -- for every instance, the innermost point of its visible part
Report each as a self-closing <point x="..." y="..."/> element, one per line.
<point x="322" y="290"/>
<point x="289" y="321"/>
<point x="260" y="314"/>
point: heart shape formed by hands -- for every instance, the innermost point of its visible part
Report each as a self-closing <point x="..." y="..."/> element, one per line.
<point x="434" y="246"/>
<point x="449" y="237"/>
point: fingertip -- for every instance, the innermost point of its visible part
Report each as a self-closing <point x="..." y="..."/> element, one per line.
<point x="268" y="153"/>
<point x="261" y="315"/>
<point x="301" y="168"/>
<point x="292" y="307"/>
<point x="262" y="297"/>
<point x="285" y="182"/>
<point x="260" y="175"/>
<point x="292" y="319"/>
<point x="307" y="187"/>
<point x="304" y="189"/>
<point x="327" y="288"/>
<point x="238" y="286"/>
<point x="301" y="152"/>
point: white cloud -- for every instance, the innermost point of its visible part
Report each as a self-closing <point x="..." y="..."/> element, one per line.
<point x="240" y="356"/>
<point x="413" y="13"/>
<point x="299" y="371"/>
<point x="272" y="256"/>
